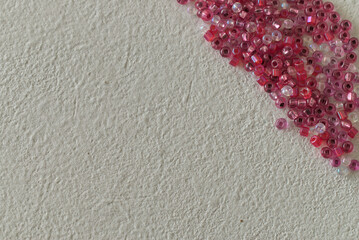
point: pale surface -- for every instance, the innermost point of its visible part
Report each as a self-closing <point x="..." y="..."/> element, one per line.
<point x="119" y="122"/>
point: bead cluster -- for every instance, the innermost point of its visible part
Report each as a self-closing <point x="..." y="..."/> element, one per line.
<point x="302" y="54"/>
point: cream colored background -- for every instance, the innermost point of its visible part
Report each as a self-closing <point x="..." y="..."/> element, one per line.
<point x="119" y="122"/>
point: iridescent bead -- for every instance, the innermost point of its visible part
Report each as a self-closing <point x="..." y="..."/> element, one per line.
<point x="339" y="52"/>
<point x="354" y="165"/>
<point x="287" y="91"/>
<point x="287" y="51"/>
<point x="251" y="27"/>
<point x="288" y="24"/>
<point x="346" y="161"/>
<point x="342" y="171"/>
<point x="354" y="117"/>
<point x="237" y="7"/>
<point x="281" y="123"/>
<point x="277" y="35"/>
<point x="267" y="39"/>
<point x="319" y="128"/>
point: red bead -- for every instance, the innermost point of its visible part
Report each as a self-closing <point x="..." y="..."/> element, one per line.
<point x="316" y="141"/>
<point x="352" y="132"/>
<point x="304" y="131"/>
<point x="209" y="36"/>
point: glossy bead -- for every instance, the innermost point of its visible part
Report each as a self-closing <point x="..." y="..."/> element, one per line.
<point x="346" y="124"/>
<point x="332" y="142"/>
<point x="281" y="123"/>
<point x="316" y="141"/>
<point x="304" y="131"/>
<point x="342" y="171"/>
<point x="319" y="128"/>
<point x="287" y="91"/>
<point x="237" y="7"/>
<point x="326" y="152"/>
<point x="347" y="147"/>
<point x="335" y="162"/>
<point x="352" y="132"/>
<point x="277" y="35"/>
<point x="354" y="165"/>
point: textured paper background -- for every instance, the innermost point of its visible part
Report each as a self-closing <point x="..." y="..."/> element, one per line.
<point x="119" y="122"/>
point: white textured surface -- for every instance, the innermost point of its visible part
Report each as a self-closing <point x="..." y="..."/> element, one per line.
<point x="119" y="122"/>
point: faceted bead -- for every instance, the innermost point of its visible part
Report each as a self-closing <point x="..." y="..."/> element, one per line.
<point x="354" y="165"/>
<point x="335" y="162"/>
<point x="316" y="141"/>
<point x="281" y="123"/>
<point x="342" y="171"/>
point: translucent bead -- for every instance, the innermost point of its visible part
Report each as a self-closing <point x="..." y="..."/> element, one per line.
<point x="191" y="10"/>
<point x="321" y="77"/>
<point x="277" y="35"/>
<point x="354" y="165"/>
<point x="309" y="69"/>
<point x="346" y="161"/>
<point x="319" y="128"/>
<point x="314" y="47"/>
<point x="342" y="171"/>
<point x="267" y="39"/>
<point x="287" y="91"/>
<point x="321" y="86"/>
<point x="325" y="60"/>
<point x="324" y="48"/>
<point x="339" y="52"/>
<point x="251" y="27"/>
<point x="237" y="7"/>
<point x="288" y="24"/>
<point x="287" y="51"/>
<point x="215" y="20"/>
<point x="285" y="5"/>
<point x="335" y="162"/>
<point x="281" y="123"/>
<point x="354" y="117"/>
<point x="292" y="72"/>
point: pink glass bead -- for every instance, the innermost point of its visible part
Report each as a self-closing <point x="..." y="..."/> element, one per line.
<point x="277" y="35"/>
<point x="335" y="162"/>
<point x="338" y="151"/>
<point x="347" y="147"/>
<point x="281" y="123"/>
<point x="354" y="165"/>
<point x="326" y="152"/>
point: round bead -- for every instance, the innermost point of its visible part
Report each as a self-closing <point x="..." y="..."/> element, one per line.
<point x="335" y="162"/>
<point x="287" y="91"/>
<point x="320" y="128"/>
<point x="281" y="123"/>
<point x="342" y="171"/>
<point x="354" y="165"/>
<point x="237" y="7"/>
